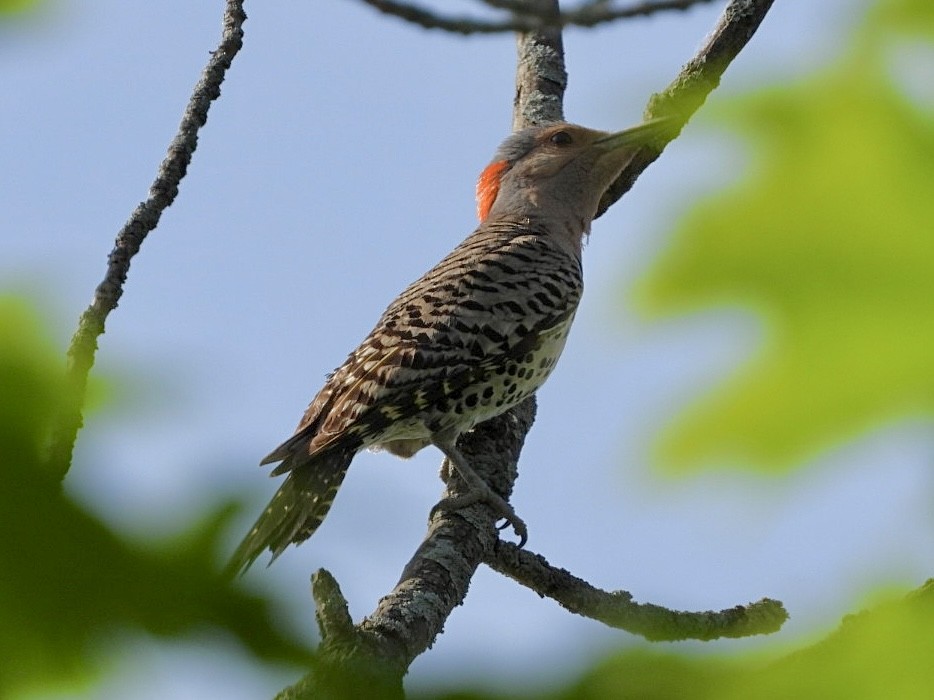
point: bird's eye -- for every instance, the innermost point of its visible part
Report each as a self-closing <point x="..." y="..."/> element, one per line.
<point x="561" y="138"/>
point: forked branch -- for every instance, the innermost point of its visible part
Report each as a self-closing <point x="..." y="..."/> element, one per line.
<point x="697" y="79"/>
<point x="410" y="617"/>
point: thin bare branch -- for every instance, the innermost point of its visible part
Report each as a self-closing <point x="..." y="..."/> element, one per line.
<point x="697" y="79"/>
<point x="521" y="7"/>
<point x="517" y="7"/>
<point x="617" y="608"/>
<point x="588" y="14"/>
<point x="144" y="219"/>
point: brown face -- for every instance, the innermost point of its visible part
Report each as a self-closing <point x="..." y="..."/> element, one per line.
<point x="557" y="146"/>
<point x="562" y="166"/>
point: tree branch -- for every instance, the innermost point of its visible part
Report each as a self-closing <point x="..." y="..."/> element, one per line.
<point x="144" y="219"/>
<point x="370" y="660"/>
<point x="697" y="79"/>
<point x="589" y="14"/>
<point x="435" y="581"/>
<point x="541" y="77"/>
<point x="407" y="621"/>
<point x="617" y="609"/>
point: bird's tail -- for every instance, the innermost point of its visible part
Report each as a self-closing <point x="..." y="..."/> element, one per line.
<point x="296" y="510"/>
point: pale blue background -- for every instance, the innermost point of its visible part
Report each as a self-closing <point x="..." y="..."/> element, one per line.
<point x="337" y="166"/>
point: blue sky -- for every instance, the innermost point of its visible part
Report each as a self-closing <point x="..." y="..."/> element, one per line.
<point x="337" y="166"/>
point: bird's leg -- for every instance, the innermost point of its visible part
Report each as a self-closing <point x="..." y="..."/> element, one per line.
<point x="477" y="490"/>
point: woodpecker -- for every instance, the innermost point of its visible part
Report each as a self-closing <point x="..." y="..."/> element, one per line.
<point x="474" y="336"/>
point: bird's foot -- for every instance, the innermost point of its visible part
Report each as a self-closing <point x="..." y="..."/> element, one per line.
<point x="477" y="490"/>
<point x="484" y="494"/>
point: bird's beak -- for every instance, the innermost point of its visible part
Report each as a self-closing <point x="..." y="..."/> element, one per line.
<point x="640" y="135"/>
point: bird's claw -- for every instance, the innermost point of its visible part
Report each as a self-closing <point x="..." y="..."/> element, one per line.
<point x="518" y="527"/>
<point x="504" y="511"/>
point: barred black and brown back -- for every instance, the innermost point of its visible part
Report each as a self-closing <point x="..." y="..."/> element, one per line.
<point x="472" y="337"/>
<point x="505" y="292"/>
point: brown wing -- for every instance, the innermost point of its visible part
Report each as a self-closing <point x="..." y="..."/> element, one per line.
<point x="488" y="299"/>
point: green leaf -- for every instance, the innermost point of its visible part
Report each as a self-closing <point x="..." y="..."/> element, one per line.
<point x="914" y="17"/>
<point x="829" y="239"/>
<point x="17" y="7"/>
<point x="69" y="582"/>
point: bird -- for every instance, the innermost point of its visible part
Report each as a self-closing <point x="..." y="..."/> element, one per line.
<point x="474" y="336"/>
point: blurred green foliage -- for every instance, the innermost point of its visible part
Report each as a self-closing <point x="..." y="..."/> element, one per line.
<point x="16" y="7"/>
<point x="882" y="653"/>
<point x="829" y="238"/>
<point x="68" y="583"/>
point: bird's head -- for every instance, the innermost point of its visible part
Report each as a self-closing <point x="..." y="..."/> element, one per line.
<point x="558" y="171"/>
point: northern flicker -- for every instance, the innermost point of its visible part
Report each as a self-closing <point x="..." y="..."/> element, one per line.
<point x="475" y="335"/>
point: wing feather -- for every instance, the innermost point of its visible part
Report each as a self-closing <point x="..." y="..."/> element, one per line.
<point x="487" y="301"/>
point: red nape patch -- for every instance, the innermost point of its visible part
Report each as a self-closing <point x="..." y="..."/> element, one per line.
<point x="488" y="187"/>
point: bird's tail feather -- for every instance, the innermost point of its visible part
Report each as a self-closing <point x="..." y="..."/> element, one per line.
<point x="296" y="510"/>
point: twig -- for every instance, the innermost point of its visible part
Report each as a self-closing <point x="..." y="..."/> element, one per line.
<point x="617" y="609"/>
<point x="521" y="7"/>
<point x="350" y="663"/>
<point x="144" y="219"/>
<point x="525" y="20"/>
<point x="697" y="79"/>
